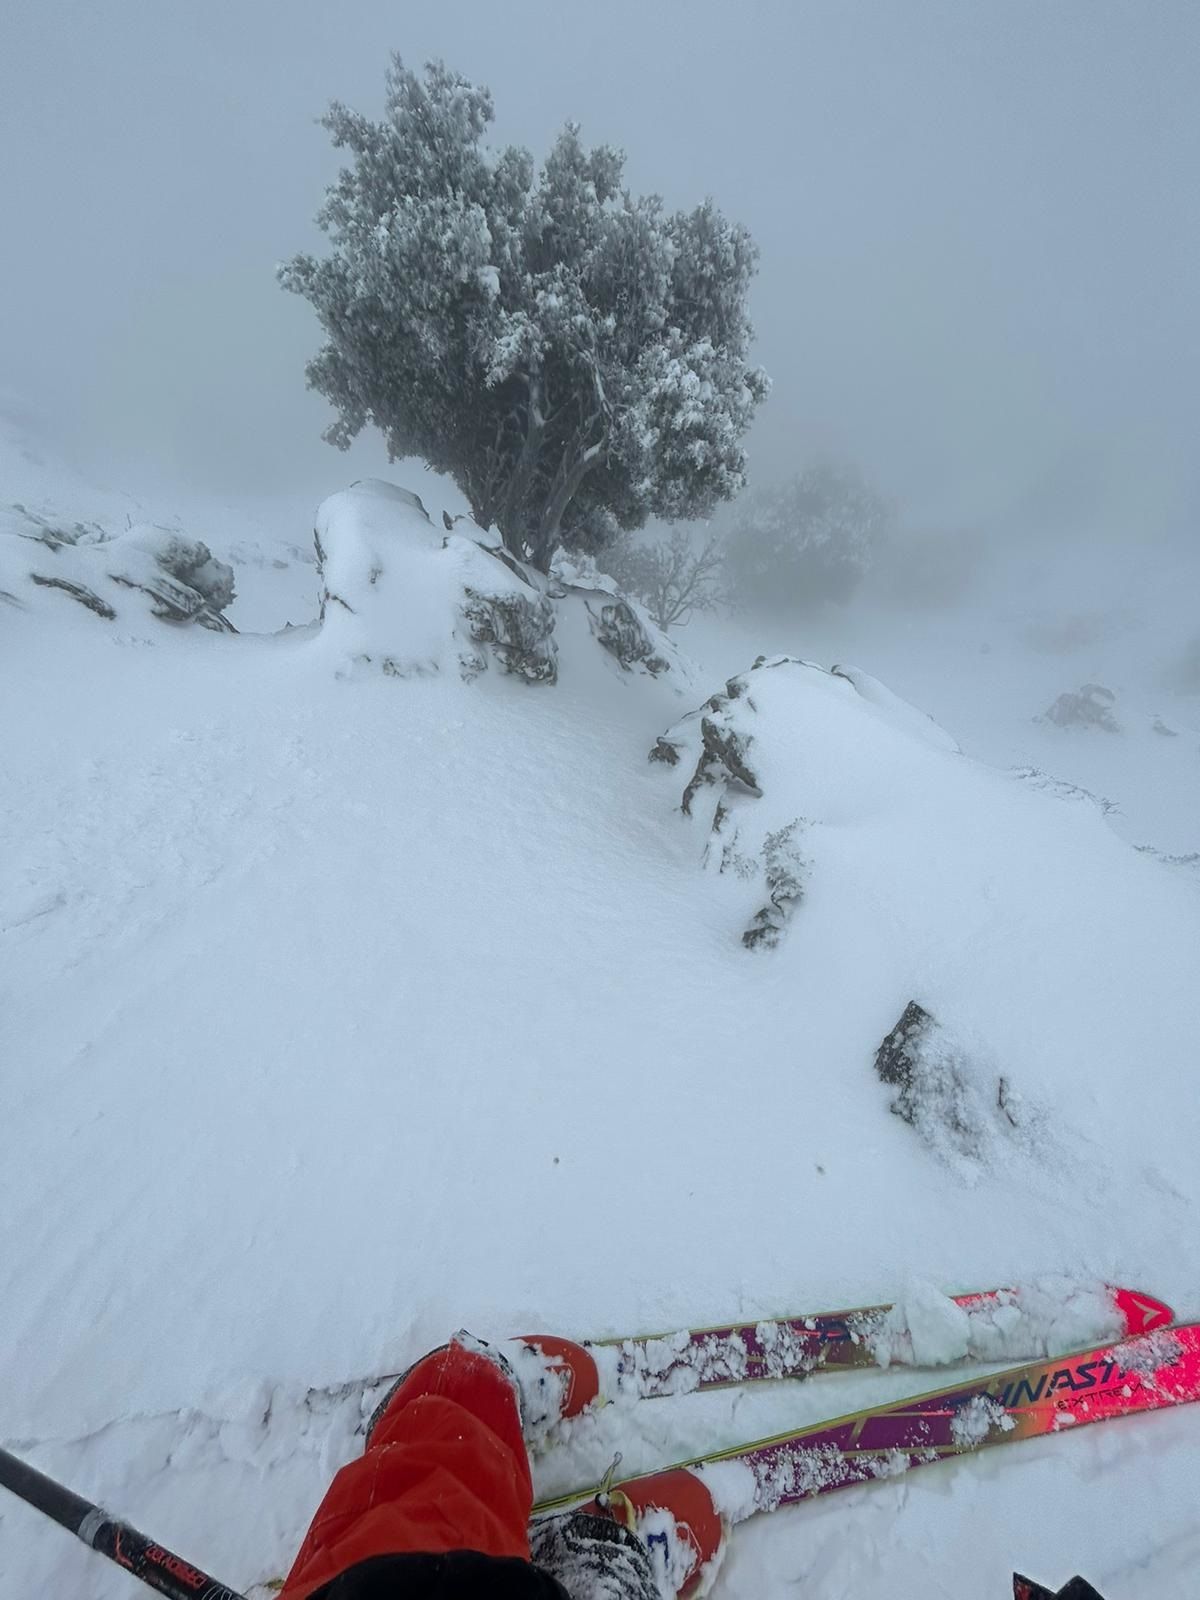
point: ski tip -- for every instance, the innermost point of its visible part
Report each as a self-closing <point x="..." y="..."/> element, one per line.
<point x="1142" y="1312"/>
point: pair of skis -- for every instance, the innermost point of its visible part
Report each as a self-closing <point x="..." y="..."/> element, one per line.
<point x="1142" y="1364"/>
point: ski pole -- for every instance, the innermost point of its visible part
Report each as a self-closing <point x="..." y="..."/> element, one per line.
<point x="155" y="1565"/>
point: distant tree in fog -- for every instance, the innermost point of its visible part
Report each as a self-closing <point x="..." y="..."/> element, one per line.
<point x="673" y="577"/>
<point x="808" y="539"/>
<point x="573" y="356"/>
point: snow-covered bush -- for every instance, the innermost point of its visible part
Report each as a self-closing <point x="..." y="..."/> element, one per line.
<point x="1089" y="707"/>
<point x="573" y="356"/>
<point x="673" y="577"/>
<point x="804" y="541"/>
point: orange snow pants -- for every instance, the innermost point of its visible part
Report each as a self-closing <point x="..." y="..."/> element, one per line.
<point x="445" y="1469"/>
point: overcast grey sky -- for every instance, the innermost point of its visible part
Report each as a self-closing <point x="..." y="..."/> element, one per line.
<point x="978" y="219"/>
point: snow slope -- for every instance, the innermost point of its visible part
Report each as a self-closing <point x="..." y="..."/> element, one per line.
<point x="344" y="1008"/>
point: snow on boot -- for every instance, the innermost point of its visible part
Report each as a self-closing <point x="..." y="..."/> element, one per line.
<point x="429" y="1375"/>
<point x="558" y="1380"/>
<point x="1076" y="1589"/>
<point x="675" y="1517"/>
<point x="593" y="1557"/>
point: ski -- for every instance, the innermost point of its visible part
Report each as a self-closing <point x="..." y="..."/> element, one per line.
<point x="997" y="1325"/>
<point x="1119" y="1379"/>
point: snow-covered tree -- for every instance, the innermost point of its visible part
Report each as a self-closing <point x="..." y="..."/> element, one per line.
<point x="808" y="539"/>
<point x="573" y="356"/>
<point x="672" y="577"/>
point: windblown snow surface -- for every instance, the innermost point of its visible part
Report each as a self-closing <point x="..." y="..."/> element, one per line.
<point x="343" y="1007"/>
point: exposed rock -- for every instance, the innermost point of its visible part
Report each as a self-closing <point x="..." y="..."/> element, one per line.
<point x="78" y="591"/>
<point x="400" y="597"/>
<point x="180" y="577"/>
<point x="520" y="630"/>
<point x="962" y="1109"/>
<point x="191" y="563"/>
<point x="896" y="1058"/>
<point x="1090" y="707"/>
<point x="52" y="534"/>
<point x="725" y="744"/>
<point x="620" y="630"/>
<point x="174" y="599"/>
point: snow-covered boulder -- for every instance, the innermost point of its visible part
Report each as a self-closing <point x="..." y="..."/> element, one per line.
<point x="749" y="750"/>
<point x="1089" y="707"/>
<point x="157" y="570"/>
<point x="400" y="594"/>
<point x="412" y="600"/>
<point x="958" y="1103"/>
<point x="899" y="713"/>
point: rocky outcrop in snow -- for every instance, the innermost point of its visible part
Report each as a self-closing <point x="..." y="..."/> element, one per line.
<point x="961" y="1108"/>
<point x="410" y="600"/>
<point x="399" y="594"/>
<point x="1089" y="707"/>
<point x="745" y="751"/>
<point x="177" y="579"/>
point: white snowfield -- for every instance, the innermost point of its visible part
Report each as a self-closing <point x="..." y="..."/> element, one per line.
<point x="346" y="1004"/>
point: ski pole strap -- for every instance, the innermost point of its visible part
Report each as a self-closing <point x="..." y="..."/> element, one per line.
<point x="156" y="1566"/>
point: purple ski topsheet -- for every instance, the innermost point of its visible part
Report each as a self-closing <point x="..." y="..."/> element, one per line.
<point x="1160" y="1369"/>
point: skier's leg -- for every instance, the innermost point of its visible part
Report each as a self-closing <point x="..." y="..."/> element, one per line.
<point x="445" y="1470"/>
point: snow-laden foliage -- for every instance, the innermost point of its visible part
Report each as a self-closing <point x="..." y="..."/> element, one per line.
<point x="572" y="355"/>
<point x="808" y="539"/>
<point x="173" y="577"/>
